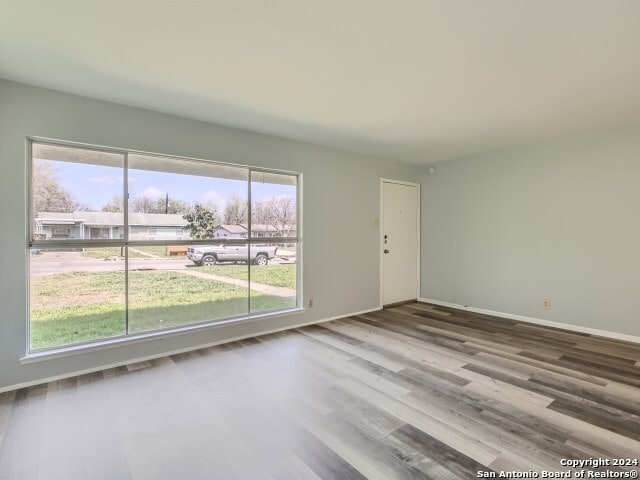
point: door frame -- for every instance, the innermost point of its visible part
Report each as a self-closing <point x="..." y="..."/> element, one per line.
<point x="381" y="235"/>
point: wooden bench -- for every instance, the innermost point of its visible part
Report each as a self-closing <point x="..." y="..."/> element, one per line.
<point x="177" y="250"/>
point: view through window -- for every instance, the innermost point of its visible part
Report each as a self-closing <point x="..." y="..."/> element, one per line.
<point x="124" y="243"/>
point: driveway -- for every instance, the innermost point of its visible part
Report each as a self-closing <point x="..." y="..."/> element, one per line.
<point x="258" y="287"/>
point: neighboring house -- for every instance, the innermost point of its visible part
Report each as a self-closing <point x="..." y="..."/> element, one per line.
<point x="265" y="230"/>
<point x="258" y="229"/>
<point x="108" y="225"/>
<point x="142" y="226"/>
<point x="230" y="231"/>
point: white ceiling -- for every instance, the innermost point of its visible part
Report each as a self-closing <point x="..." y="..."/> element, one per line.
<point x="412" y="80"/>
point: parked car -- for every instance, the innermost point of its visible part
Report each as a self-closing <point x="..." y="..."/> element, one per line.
<point x="212" y="254"/>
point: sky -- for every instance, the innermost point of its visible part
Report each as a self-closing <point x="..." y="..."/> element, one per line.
<point x="95" y="185"/>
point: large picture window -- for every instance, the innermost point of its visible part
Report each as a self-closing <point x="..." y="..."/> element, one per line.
<point x="125" y="243"/>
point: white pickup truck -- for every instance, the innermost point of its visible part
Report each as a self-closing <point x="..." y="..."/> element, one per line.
<point x="212" y="254"/>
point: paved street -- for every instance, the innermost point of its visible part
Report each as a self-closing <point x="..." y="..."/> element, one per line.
<point x="50" y="263"/>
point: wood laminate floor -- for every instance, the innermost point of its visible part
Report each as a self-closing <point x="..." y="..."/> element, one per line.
<point x="412" y="392"/>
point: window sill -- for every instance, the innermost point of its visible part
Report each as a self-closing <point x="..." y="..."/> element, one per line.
<point x="72" y="350"/>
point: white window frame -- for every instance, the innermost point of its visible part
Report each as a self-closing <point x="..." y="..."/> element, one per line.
<point x="106" y="342"/>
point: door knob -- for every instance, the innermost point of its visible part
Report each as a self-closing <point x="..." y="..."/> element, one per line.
<point x="386" y="251"/>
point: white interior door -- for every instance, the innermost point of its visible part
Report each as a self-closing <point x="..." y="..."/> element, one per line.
<point x="400" y="242"/>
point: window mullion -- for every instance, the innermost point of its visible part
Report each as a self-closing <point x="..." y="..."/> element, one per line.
<point x="125" y="207"/>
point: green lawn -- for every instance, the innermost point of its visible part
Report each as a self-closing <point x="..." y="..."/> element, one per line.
<point x="157" y="299"/>
<point x="158" y="251"/>
<point x="276" y="275"/>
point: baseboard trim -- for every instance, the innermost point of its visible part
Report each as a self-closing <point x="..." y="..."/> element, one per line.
<point x="175" y="352"/>
<point x="537" y="321"/>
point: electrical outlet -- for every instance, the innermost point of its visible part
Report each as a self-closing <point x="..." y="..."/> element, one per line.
<point x="546" y="304"/>
<point x="311" y="303"/>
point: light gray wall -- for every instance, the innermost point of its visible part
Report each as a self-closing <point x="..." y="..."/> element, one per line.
<point x="559" y="220"/>
<point x="341" y="196"/>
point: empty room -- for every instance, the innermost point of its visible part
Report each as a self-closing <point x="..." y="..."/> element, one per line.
<point x="319" y="239"/>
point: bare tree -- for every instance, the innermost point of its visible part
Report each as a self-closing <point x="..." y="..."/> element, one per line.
<point x="278" y="212"/>
<point x="175" y="206"/>
<point x="142" y="205"/>
<point x="48" y="194"/>
<point x="159" y="205"/>
<point x="114" y="205"/>
<point x="235" y="210"/>
<point x="258" y="213"/>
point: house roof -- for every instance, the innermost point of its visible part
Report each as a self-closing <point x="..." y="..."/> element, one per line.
<point x="233" y="228"/>
<point x="111" y="219"/>
<point x="139" y="219"/>
<point x="263" y="227"/>
<point x="256" y="227"/>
